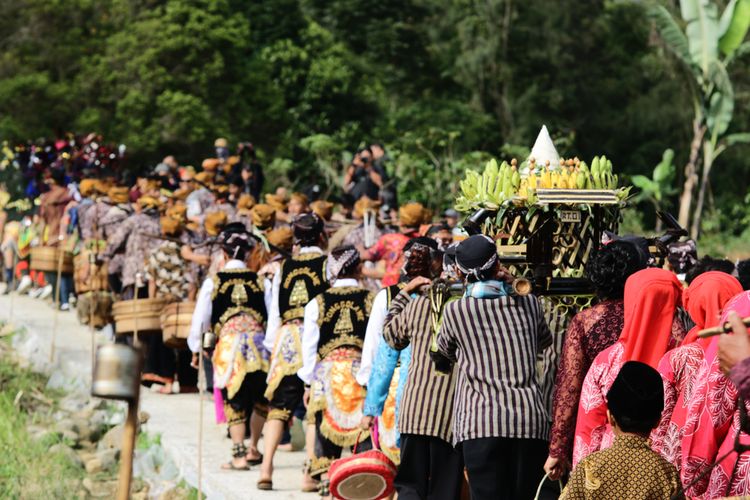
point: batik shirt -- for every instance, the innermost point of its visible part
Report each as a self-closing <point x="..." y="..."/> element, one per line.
<point x="166" y="268"/>
<point x="589" y="333"/>
<point x="132" y="236"/>
<point x="629" y="470"/>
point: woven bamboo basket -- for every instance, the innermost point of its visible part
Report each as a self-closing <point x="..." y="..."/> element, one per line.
<point x="142" y="315"/>
<point x="82" y="274"/>
<point x="175" y="324"/>
<point x="47" y="259"/>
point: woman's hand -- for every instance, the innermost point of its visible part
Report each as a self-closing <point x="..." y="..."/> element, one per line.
<point x="417" y="283"/>
<point x="555" y="468"/>
<point x="734" y="347"/>
<point x="367" y="422"/>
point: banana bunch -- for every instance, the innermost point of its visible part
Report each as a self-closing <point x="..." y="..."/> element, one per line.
<point x="498" y="185"/>
<point x="495" y="186"/>
<point x="601" y="174"/>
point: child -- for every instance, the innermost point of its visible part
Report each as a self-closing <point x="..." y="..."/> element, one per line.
<point x="629" y="469"/>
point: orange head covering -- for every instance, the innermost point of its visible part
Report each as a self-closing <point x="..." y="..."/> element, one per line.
<point x="178" y="212"/>
<point x="170" y="226"/>
<point x="651" y="298"/>
<point x="263" y="216"/>
<point x="276" y="201"/>
<point x="87" y="187"/>
<point x="149" y="202"/>
<point x="215" y="222"/>
<point x="118" y="194"/>
<point x="412" y="214"/>
<point x="323" y="209"/>
<point x="221" y="190"/>
<point x="705" y="298"/>
<point x="210" y="164"/>
<point x="245" y="202"/>
<point x="363" y="205"/>
<point x="282" y="237"/>
<point x="204" y="177"/>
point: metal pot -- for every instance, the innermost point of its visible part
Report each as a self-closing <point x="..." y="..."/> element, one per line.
<point x="209" y="341"/>
<point x="117" y="372"/>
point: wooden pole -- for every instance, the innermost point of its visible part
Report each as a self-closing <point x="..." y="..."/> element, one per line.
<point x="12" y="286"/>
<point x="58" y="286"/>
<point x="92" y="270"/>
<point x="128" y="447"/>
<point x="201" y="387"/>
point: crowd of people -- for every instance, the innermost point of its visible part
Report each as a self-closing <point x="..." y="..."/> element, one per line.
<point x="382" y="325"/>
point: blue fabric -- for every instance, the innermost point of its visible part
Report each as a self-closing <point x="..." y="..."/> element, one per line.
<point x="386" y="360"/>
<point x="490" y="289"/>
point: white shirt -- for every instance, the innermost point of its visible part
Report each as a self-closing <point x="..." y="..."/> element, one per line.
<point x="274" y="317"/>
<point x="311" y="334"/>
<point x="201" y="321"/>
<point x="373" y="335"/>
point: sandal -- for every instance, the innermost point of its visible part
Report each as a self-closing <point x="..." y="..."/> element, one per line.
<point x="265" y="484"/>
<point x="239" y="450"/>
<point x="254" y="461"/>
<point x="230" y="466"/>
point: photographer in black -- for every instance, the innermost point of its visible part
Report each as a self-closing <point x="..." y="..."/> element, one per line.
<point x="251" y="171"/>
<point x="363" y="177"/>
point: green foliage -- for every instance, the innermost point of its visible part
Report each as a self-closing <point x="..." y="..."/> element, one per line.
<point x="661" y="184"/>
<point x="308" y="81"/>
<point x="27" y="469"/>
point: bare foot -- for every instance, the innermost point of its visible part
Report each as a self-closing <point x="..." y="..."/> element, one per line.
<point x="166" y="389"/>
<point x="309" y="484"/>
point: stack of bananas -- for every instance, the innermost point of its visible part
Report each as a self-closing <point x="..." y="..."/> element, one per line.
<point x="498" y="185"/>
<point x="490" y="190"/>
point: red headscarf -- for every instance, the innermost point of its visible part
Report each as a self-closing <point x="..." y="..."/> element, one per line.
<point x="705" y="298"/>
<point x="651" y="298"/>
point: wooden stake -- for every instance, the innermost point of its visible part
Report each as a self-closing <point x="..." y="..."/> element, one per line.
<point x="58" y="286"/>
<point x="201" y="387"/>
<point x="12" y="286"/>
<point x="128" y="447"/>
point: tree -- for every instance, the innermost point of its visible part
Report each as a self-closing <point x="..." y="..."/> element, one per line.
<point x="706" y="49"/>
<point x="658" y="188"/>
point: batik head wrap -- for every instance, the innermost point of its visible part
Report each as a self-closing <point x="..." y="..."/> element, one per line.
<point x="475" y="255"/>
<point x="342" y="261"/>
<point x="236" y="242"/>
<point x="419" y="254"/>
<point x="307" y="229"/>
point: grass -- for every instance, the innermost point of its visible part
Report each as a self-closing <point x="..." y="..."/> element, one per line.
<point x="27" y="469"/>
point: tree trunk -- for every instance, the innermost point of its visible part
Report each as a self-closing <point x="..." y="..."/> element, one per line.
<point x="691" y="171"/>
<point x="708" y="161"/>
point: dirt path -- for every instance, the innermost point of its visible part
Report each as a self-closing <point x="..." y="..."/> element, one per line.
<point x="174" y="417"/>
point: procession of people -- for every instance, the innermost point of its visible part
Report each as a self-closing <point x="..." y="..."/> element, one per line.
<point x="381" y="325"/>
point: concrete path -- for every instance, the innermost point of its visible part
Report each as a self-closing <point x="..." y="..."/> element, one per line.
<point x="174" y="417"/>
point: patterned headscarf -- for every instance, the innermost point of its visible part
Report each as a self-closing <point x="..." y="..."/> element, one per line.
<point x="419" y="254"/>
<point x="307" y="229"/>
<point x="235" y="241"/>
<point x="342" y="261"/>
<point x="475" y="255"/>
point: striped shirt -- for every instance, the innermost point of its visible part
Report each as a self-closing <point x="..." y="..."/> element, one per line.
<point x="495" y="343"/>
<point x="427" y="405"/>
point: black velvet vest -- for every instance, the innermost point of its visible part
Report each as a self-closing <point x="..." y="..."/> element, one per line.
<point x="302" y="278"/>
<point x="237" y="291"/>
<point x="342" y="318"/>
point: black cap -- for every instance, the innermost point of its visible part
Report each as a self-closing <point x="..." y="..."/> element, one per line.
<point x="476" y="253"/>
<point x="637" y="394"/>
